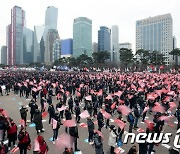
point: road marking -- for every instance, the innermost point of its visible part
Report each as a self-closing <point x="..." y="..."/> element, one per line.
<point x="125" y="132"/>
<point x="176" y="122"/>
<point x="166" y="146"/>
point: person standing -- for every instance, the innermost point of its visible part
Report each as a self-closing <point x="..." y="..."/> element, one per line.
<point x="73" y="131"/>
<point x="100" y="120"/>
<point x="78" y="112"/>
<point x="33" y="106"/>
<point x="98" y="144"/>
<point x="112" y="138"/>
<point x="90" y="124"/>
<point x="23" y="112"/>
<point x="11" y="133"/>
<point x="24" y="141"/>
<point x="51" y="111"/>
<point x="37" y="119"/>
<point x="130" y="119"/>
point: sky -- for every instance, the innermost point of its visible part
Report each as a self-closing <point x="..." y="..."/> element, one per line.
<point x="123" y="13"/>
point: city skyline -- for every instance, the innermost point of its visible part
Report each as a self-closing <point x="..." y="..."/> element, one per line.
<point x="111" y="14"/>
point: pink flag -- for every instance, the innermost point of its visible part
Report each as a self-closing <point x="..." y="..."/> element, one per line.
<point x="146" y="109"/>
<point x="84" y="114"/>
<point x="109" y="97"/>
<point x="172" y="93"/>
<point x="19" y="84"/>
<point x="120" y="123"/>
<point x="62" y="108"/>
<point x="106" y="115"/>
<point x="36" y="145"/>
<point x="158" y="108"/>
<point x="165" y="118"/>
<point x="119" y="93"/>
<point x="34" y="89"/>
<point x="172" y="105"/>
<point x="149" y="124"/>
<point x="100" y="92"/>
<point x="113" y="106"/>
<point x="150" y="97"/>
<point x="124" y="109"/>
<point x="99" y="133"/>
<point x="78" y="94"/>
<point x="83" y="125"/>
<point x="88" y="98"/>
<point x="22" y="122"/>
<point x="64" y="141"/>
<point x="54" y="123"/>
<point x="69" y="123"/>
<point x="130" y="96"/>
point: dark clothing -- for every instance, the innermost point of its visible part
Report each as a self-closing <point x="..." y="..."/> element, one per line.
<point x="38" y="121"/>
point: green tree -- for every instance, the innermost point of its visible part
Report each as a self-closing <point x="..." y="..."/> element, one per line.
<point x="100" y="57"/>
<point x="126" y="56"/>
<point x="175" y="53"/>
<point x="84" y="60"/>
<point x="71" y="61"/>
<point x="60" y="61"/>
<point x="144" y="56"/>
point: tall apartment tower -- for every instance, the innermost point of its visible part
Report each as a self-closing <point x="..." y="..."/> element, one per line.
<point x="82" y="36"/>
<point x="115" y="43"/>
<point x="104" y="35"/>
<point x="156" y="34"/>
<point x="15" y="36"/>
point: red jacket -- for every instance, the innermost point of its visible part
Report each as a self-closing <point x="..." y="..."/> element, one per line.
<point x="12" y="129"/>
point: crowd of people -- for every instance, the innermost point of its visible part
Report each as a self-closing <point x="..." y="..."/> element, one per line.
<point x="127" y="97"/>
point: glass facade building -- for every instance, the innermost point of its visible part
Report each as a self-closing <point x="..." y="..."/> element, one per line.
<point x="66" y="47"/>
<point x="104" y="35"/>
<point x="28" y="36"/>
<point x="155" y="34"/>
<point x="15" y="32"/>
<point x="115" y="44"/>
<point x="51" y="17"/>
<point x="4" y="55"/>
<point x="82" y="36"/>
<point x="56" y="50"/>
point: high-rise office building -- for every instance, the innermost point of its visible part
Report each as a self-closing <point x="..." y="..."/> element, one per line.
<point x="115" y="43"/>
<point x="52" y="35"/>
<point x="156" y="34"/>
<point x="42" y="35"/>
<point x="82" y="36"/>
<point x="15" y="35"/>
<point x="104" y="35"/>
<point x="56" y="50"/>
<point x="28" y="45"/>
<point x="4" y="55"/>
<point x="39" y="46"/>
<point x="67" y="47"/>
<point x="51" y="17"/>
<point x="95" y="47"/>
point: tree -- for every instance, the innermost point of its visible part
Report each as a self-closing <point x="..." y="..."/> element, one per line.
<point x="144" y="56"/>
<point x="60" y="61"/>
<point x="72" y="62"/>
<point x="176" y="53"/>
<point x="126" y="56"/>
<point x="84" y="60"/>
<point x="100" y="57"/>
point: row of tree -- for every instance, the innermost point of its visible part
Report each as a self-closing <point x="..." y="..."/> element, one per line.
<point x="126" y="58"/>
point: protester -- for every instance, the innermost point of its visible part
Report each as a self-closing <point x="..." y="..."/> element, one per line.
<point x="98" y="144"/>
<point x="112" y="138"/>
<point x="24" y="141"/>
<point x="37" y="119"/>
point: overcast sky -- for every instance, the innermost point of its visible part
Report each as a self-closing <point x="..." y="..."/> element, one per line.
<point x="123" y="13"/>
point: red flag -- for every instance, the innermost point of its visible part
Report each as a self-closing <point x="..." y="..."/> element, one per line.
<point x="82" y="125"/>
<point x="158" y="108"/>
<point x="44" y="114"/>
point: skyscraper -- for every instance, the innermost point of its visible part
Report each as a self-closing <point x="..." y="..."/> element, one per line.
<point x="51" y="17"/>
<point x="15" y="35"/>
<point x="95" y="47"/>
<point x="104" y="35"/>
<point x="115" y="43"/>
<point x="66" y="47"/>
<point x="156" y="34"/>
<point x="42" y="42"/>
<point x="56" y="50"/>
<point x="28" y="45"/>
<point x="82" y="36"/>
<point x="4" y="55"/>
<point x="52" y="35"/>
